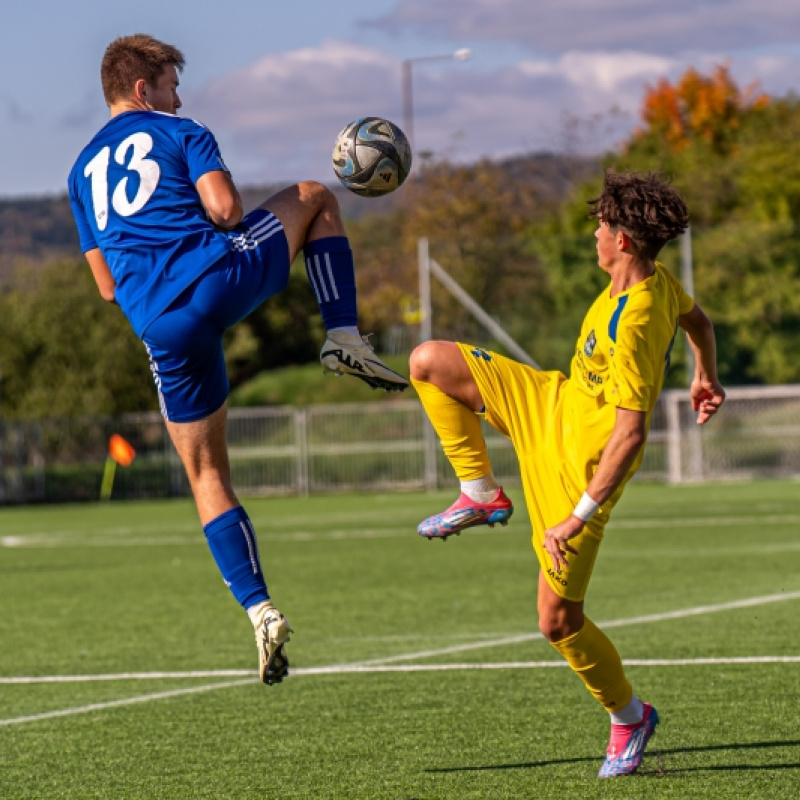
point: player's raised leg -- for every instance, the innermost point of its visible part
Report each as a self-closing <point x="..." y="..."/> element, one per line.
<point x="309" y="213"/>
<point x="451" y="400"/>
<point x="593" y="658"/>
<point x="230" y="535"/>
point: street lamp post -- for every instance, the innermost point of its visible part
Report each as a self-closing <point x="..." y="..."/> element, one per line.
<point x="407" y="88"/>
<point x="408" y="129"/>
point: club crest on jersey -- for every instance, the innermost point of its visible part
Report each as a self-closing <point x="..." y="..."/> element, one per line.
<point x="479" y="352"/>
<point x="590" y="344"/>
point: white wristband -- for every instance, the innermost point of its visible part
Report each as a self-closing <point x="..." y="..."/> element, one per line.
<point x="586" y="508"/>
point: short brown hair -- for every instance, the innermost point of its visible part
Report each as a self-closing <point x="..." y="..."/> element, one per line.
<point x="643" y="205"/>
<point x="131" y="58"/>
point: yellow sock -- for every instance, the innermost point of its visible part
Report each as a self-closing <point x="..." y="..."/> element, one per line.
<point x="595" y="660"/>
<point x="459" y="430"/>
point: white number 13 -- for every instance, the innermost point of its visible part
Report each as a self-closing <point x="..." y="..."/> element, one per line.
<point x="149" y="173"/>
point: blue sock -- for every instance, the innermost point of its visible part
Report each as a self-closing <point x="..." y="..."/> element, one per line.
<point x="232" y="541"/>
<point x="331" y="272"/>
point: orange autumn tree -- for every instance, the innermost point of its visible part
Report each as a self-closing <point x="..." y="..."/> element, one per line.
<point x="706" y="107"/>
<point x="734" y="153"/>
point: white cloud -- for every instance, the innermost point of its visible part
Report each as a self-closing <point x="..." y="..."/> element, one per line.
<point x="277" y="119"/>
<point x="655" y="25"/>
<point x="306" y="85"/>
<point x="604" y="71"/>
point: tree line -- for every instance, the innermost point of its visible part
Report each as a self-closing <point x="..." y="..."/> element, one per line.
<point x="514" y="234"/>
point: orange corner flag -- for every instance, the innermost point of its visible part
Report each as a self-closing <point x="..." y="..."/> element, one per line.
<point x="121" y="450"/>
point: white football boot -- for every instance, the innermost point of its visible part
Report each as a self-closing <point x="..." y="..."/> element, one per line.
<point x="346" y="354"/>
<point x="272" y="632"/>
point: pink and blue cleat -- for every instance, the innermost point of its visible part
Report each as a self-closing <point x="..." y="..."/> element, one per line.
<point x="466" y="513"/>
<point x="626" y="747"/>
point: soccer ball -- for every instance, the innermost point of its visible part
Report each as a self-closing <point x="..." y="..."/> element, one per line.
<point x="372" y="157"/>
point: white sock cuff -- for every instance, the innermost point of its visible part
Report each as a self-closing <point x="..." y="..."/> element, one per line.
<point x="632" y="714"/>
<point x="351" y="330"/>
<point x="481" y="490"/>
<point x="256" y="612"/>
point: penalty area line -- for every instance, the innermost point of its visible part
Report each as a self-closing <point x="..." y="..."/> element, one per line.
<point x="681" y="613"/>
<point x="346" y="669"/>
<point x="343" y="669"/>
<point x="365" y="669"/>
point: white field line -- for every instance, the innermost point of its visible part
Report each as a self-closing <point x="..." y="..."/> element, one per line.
<point x="147" y="536"/>
<point x="648" y="662"/>
<point x="135" y="676"/>
<point x="384" y="665"/>
<point x="345" y="520"/>
<point x="361" y="669"/>
<point x="107" y="539"/>
<point x="617" y="623"/>
<point x="342" y="669"/>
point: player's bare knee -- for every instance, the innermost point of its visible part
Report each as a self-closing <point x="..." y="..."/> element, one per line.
<point x="550" y="628"/>
<point x="317" y="195"/>
<point x="560" y="620"/>
<point x="422" y="362"/>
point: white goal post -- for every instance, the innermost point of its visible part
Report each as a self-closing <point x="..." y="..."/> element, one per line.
<point x="428" y="267"/>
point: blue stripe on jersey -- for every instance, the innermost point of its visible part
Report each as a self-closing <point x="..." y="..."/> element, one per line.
<point x="614" y="321"/>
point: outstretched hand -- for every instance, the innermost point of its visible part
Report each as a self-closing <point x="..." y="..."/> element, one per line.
<point x="707" y="396"/>
<point x="556" y="538"/>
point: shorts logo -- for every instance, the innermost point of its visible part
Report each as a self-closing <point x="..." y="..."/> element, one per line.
<point x="556" y="576"/>
<point x="590" y="344"/>
<point x="479" y="352"/>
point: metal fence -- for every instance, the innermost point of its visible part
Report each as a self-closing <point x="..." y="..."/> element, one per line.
<point x="374" y="446"/>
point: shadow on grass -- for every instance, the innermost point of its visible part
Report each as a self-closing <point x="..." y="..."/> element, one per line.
<point x="653" y="754"/>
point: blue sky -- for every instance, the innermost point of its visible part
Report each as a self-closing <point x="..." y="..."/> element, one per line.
<point x="276" y="81"/>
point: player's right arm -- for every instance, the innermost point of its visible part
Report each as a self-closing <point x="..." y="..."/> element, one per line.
<point x="102" y="274"/>
<point x="706" y="391"/>
<point x="221" y="199"/>
<point x="627" y="439"/>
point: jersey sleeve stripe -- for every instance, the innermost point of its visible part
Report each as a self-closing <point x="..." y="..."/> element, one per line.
<point x="613" y="323"/>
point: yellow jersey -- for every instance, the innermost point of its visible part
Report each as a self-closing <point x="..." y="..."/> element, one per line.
<point x="621" y="358"/>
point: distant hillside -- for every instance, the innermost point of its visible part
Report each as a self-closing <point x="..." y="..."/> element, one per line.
<point x="36" y="230"/>
<point x="555" y="175"/>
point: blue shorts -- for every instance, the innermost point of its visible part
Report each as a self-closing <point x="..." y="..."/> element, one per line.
<point x="185" y="342"/>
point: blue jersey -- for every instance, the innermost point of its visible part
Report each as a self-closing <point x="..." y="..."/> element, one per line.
<point x="133" y="195"/>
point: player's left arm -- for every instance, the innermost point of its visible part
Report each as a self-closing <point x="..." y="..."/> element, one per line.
<point x="210" y="175"/>
<point x="706" y="391"/>
<point x="102" y="274"/>
<point x="627" y="439"/>
<point x="221" y="198"/>
<point x="106" y="284"/>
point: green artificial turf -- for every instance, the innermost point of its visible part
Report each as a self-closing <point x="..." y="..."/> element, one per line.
<point x="128" y="591"/>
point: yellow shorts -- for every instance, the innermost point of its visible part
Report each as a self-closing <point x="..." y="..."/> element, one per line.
<point x="527" y="406"/>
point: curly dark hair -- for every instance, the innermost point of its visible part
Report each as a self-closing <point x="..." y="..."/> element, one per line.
<point x="645" y="206"/>
<point x="131" y="58"/>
